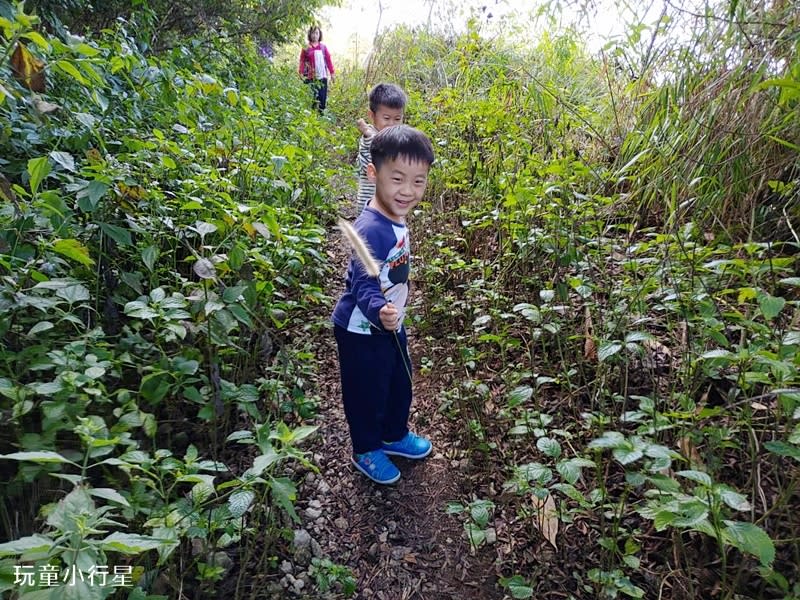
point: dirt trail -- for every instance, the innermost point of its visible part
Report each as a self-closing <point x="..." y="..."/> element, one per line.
<point x="397" y="540"/>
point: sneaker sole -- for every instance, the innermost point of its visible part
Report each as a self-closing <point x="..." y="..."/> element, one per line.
<point x="406" y="455"/>
<point x="382" y="482"/>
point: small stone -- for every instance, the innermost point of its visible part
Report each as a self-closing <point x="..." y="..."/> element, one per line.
<point x="341" y="523"/>
<point x="399" y="552"/>
<point x="315" y="503"/>
<point x="383" y="537"/>
<point x="313" y="513"/>
<point x="221" y="559"/>
<point x="301" y="547"/>
<point x="373" y="549"/>
<point x="392" y="526"/>
<point x="491" y="535"/>
<point x="298" y="585"/>
<point x="323" y="487"/>
<point x="316" y="549"/>
<point x="286" y="567"/>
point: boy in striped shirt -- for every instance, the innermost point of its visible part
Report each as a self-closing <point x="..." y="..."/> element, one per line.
<point x="387" y="104"/>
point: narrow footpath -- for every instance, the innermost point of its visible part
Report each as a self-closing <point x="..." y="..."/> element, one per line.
<point x="398" y="540"/>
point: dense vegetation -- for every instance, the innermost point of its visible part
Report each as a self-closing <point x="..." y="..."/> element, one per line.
<point x="609" y="299"/>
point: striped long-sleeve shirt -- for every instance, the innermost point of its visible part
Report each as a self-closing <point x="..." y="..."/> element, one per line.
<point x="366" y="188"/>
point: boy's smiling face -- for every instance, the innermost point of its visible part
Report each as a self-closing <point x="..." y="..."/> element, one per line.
<point x="399" y="185"/>
<point x="384" y="117"/>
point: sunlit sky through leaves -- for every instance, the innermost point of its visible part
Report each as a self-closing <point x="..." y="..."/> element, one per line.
<point x="350" y="28"/>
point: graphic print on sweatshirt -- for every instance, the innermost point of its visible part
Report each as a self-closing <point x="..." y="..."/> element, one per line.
<point x="393" y="278"/>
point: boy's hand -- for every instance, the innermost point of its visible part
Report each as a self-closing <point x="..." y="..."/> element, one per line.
<point x="389" y="316"/>
<point x="365" y="128"/>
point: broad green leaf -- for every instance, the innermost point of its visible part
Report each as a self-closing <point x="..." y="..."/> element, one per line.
<point x="719" y="353"/>
<point x="71" y="70"/>
<point x="65" y="159"/>
<point x="240" y="501"/>
<point x="150" y="256"/>
<point x="733" y="499"/>
<point x="139" y="310"/>
<point x="627" y="453"/>
<point x="38" y="169"/>
<point x="31" y="543"/>
<point x="770" y="305"/>
<point x="94" y="372"/>
<point x="794" y="437"/>
<point x="638" y="336"/>
<point x="609" y="439"/>
<point x="129" y="543"/>
<point x="570" y="469"/>
<point x="204" y="228"/>
<point x="74" y="250"/>
<point x="86" y="49"/>
<point x="535" y="472"/>
<point x="205" y="269"/>
<point x="119" y="234"/>
<point x="475" y="534"/>
<point x="90" y="196"/>
<point x="238" y="311"/>
<point x="74" y="293"/>
<point x="284" y="493"/>
<point x="48" y="388"/>
<point x="37" y="39"/>
<point x="202" y="491"/>
<point x="519" y="395"/>
<point x="791" y="338"/>
<point x="517" y="586"/>
<point x="109" y="494"/>
<point x="549" y="447"/>
<point x="479" y="512"/>
<point x="40" y="456"/>
<point x="625" y="586"/>
<point x="784" y="449"/>
<point x="696" y="476"/>
<point x="40" y="327"/>
<point x="302" y="433"/>
<point x="262" y="462"/>
<point x="607" y="350"/>
<point x="751" y="539"/>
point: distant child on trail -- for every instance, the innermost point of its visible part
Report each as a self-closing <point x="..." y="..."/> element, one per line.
<point x="316" y="67"/>
<point x="387" y="103"/>
<point x="374" y="363"/>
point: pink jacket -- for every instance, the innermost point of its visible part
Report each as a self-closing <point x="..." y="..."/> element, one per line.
<point x="306" y="68"/>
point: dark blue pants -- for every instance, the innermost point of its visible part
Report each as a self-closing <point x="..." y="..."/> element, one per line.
<point x="319" y="87"/>
<point x="376" y="389"/>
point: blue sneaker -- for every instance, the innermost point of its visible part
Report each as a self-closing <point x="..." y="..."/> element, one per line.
<point x="411" y="446"/>
<point x="377" y="466"/>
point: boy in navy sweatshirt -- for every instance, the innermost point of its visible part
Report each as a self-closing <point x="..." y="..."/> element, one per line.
<point x="368" y="319"/>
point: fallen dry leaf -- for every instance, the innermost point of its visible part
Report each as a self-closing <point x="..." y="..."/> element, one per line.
<point x="27" y="69"/>
<point x="547" y="518"/>
<point x="44" y="107"/>
<point x="687" y="448"/>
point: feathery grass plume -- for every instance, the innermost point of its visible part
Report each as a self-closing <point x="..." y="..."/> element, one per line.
<point x="361" y="248"/>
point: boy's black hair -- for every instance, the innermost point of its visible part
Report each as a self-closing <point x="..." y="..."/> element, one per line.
<point x="401" y="140"/>
<point x="312" y="28"/>
<point x="388" y="95"/>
